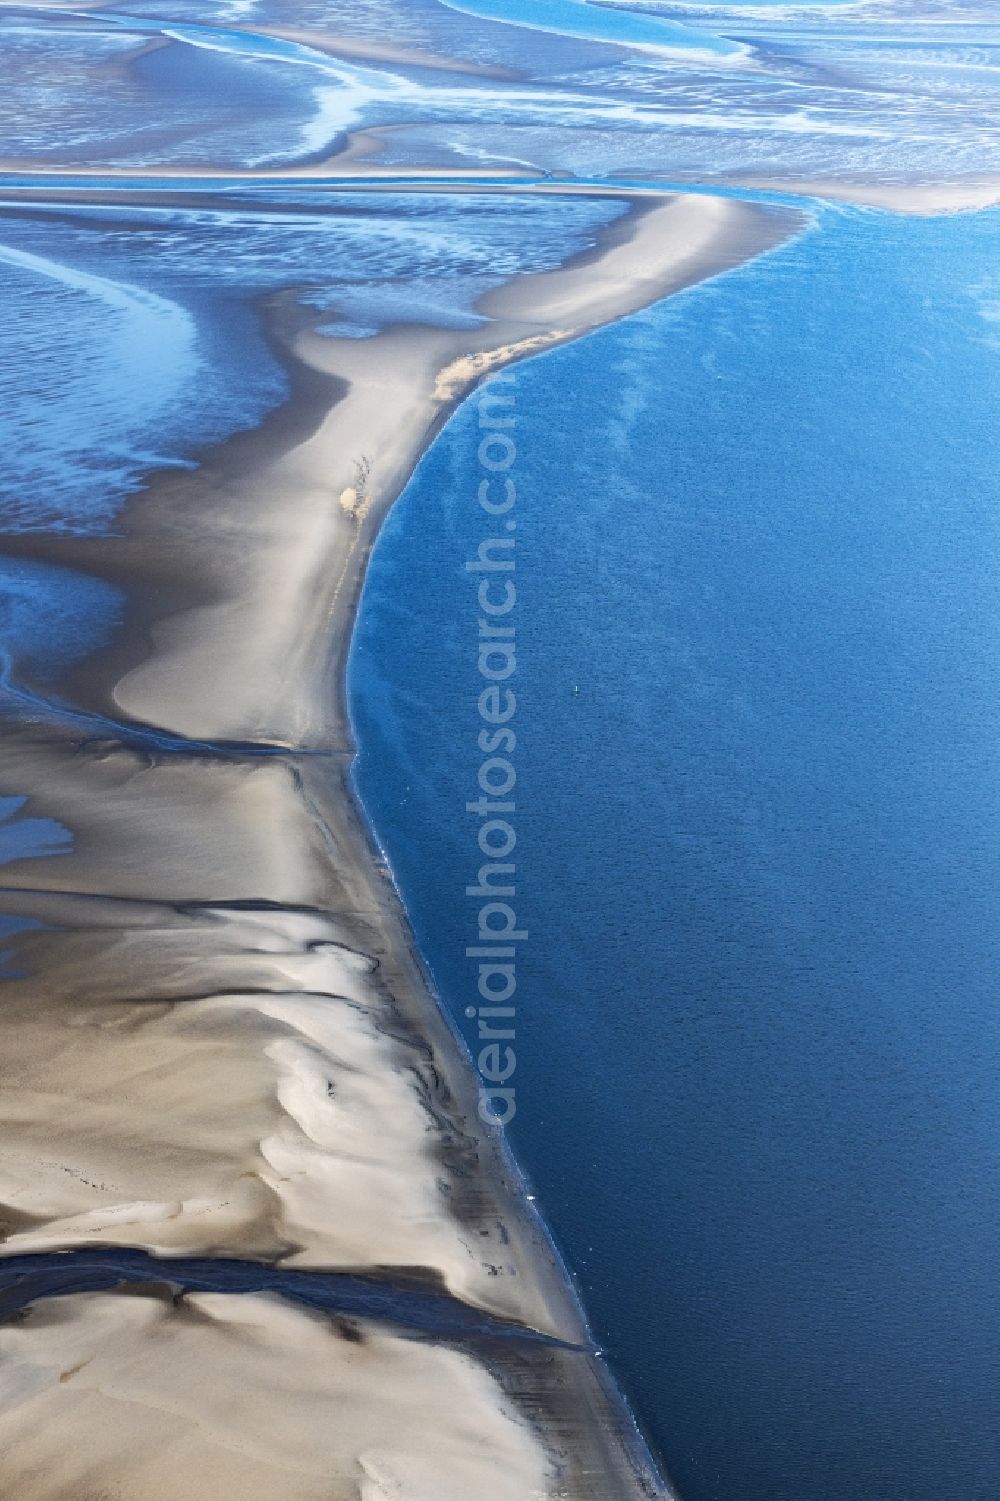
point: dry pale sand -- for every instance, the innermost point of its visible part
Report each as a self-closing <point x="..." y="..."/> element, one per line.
<point x="288" y="1406"/>
<point x="190" y="1074"/>
<point x="233" y="1082"/>
<point x="221" y="1041"/>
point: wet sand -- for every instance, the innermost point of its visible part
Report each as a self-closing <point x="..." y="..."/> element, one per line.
<point x="289" y="1406"/>
<point x="222" y="1041"/>
<point x="961" y="195"/>
<point x="369" y="50"/>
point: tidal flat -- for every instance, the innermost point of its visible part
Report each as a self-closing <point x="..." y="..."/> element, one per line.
<point x="258" y="1240"/>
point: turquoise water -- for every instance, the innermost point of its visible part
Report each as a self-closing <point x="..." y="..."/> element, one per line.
<point x="596" y="23"/>
<point x="758" y="622"/>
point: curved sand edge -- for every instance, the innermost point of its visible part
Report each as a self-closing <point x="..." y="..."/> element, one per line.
<point x="230" y="1017"/>
<point x="289" y="602"/>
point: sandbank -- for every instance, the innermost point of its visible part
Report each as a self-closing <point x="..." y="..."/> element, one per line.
<point x="220" y="1039"/>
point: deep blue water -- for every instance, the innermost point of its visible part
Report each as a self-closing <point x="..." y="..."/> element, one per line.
<point x="758" y="568"/>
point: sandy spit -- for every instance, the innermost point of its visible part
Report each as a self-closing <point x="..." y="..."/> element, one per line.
<point x="288" y="603"/>
<point x="221" y="1040"/>
<point x="960" y="195"/>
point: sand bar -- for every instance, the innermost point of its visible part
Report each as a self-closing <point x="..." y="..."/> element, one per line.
<point x="222" y="1041"/>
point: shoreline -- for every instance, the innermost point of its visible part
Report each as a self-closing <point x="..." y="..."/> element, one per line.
<point x="959" y="196"/>
<point x="398" y="416"/>
<point x="264" y="876"/>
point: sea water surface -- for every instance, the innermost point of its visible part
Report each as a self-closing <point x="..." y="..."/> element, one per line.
<point x="93" y="287"/>
<point x="758" y="567"/>
<point x="598" y="23"/>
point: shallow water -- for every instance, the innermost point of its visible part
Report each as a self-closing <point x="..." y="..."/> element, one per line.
<point x="91" y="289"/>
<point x="597" y="23"/>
